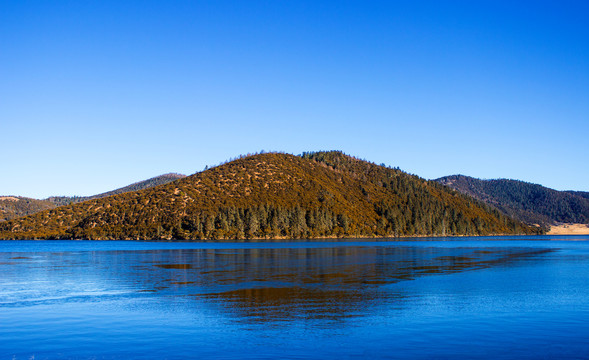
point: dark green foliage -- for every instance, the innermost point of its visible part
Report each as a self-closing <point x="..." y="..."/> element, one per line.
<point x="271" y="196"/>
<point x="530" y="203"/>
<point x="583" y="194"/>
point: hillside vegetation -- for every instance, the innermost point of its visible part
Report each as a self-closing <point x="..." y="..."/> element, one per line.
<point x="324" y="194"/>
<point x="583" y="194"/>
<point x="274" y="195"/>
<point x="12" y="207"/>
<point x="145" y="184"/>
<point x="530" y="203"/>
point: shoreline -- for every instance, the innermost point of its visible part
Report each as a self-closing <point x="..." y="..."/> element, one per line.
<point x="322" y="239"/>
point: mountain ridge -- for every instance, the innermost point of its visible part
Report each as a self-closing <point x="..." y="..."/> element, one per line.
<point x="275" y="195"/>
<point x="527" y="202"/>
<point x="139" y="185"/>
<point x="12" y="207"/>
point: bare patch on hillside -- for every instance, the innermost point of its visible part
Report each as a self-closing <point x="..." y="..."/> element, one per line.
<point x="569" y="229"/>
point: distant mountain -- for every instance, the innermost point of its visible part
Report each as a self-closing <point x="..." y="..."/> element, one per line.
<point x="12" y="207"/>
<point x="530" y="203"/>
<point x="583" y="194"/>
<point x="145" y="184"/>
<point x="274" y="195"/>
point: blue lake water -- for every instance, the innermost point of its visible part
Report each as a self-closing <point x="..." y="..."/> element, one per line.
<point x="497" y="297"/>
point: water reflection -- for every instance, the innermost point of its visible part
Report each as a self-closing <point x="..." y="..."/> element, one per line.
<point x="252" y="284"/>
<point x="340" y="283"/>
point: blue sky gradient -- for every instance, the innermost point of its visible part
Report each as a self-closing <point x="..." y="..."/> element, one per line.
<point x="95" y="95"/>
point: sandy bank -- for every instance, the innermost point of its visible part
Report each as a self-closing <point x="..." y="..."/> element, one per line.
<point x="569" y="229"/>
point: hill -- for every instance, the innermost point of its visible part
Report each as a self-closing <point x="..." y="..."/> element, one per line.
<point x="274" y="195"/>
<point x="145" y="184"/>
<point x="530" y="203"/>
<point x="583" y="194"/>
<point x="12" y="207"/>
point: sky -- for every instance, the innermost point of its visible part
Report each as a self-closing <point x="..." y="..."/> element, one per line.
<point x="95" y="95"/>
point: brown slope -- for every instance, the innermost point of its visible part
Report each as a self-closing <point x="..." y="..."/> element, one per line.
<point x="12" y="207"/>
<point x="275" y="179"/>
<point x="269" y="195"/>
<point x="140" y="185"/>
<point x="423" y="207"/>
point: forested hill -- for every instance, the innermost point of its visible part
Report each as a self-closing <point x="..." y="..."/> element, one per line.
<point x="145" y="184"/>
<point x="12" y="207"/>
<point x="274" y="195"/>
<point x="530" y="203"/>
<point x="583" y="194"/>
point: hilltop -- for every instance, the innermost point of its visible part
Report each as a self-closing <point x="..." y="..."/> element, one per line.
<point x="274" y="195"/>
<point x="530" y="203"/>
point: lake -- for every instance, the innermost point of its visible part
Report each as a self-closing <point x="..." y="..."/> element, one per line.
<point x="443" y="298"/>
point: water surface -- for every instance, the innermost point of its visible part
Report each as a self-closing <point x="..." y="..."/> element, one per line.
<point x="521" y="297"/>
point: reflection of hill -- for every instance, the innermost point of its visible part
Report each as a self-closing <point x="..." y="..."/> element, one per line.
<point x="280" y="284"/>
<point x="288" y="303"/>
<point x="259" y="284"/>
<point x="255" y="284"/>
<point x="337" y="283"/>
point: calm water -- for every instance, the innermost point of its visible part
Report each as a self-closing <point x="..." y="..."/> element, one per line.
<point x="491" y="298"/>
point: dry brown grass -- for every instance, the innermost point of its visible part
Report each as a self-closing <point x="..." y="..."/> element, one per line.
<point x="569" y="229"/>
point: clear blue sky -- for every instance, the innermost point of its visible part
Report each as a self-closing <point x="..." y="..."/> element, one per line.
<point x="95" y="95"/>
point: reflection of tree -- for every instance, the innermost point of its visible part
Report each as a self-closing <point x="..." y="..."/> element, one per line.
<point x="260" y="284"/>
<point x="267" y="284"/>
<point x="290" y="303"/>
